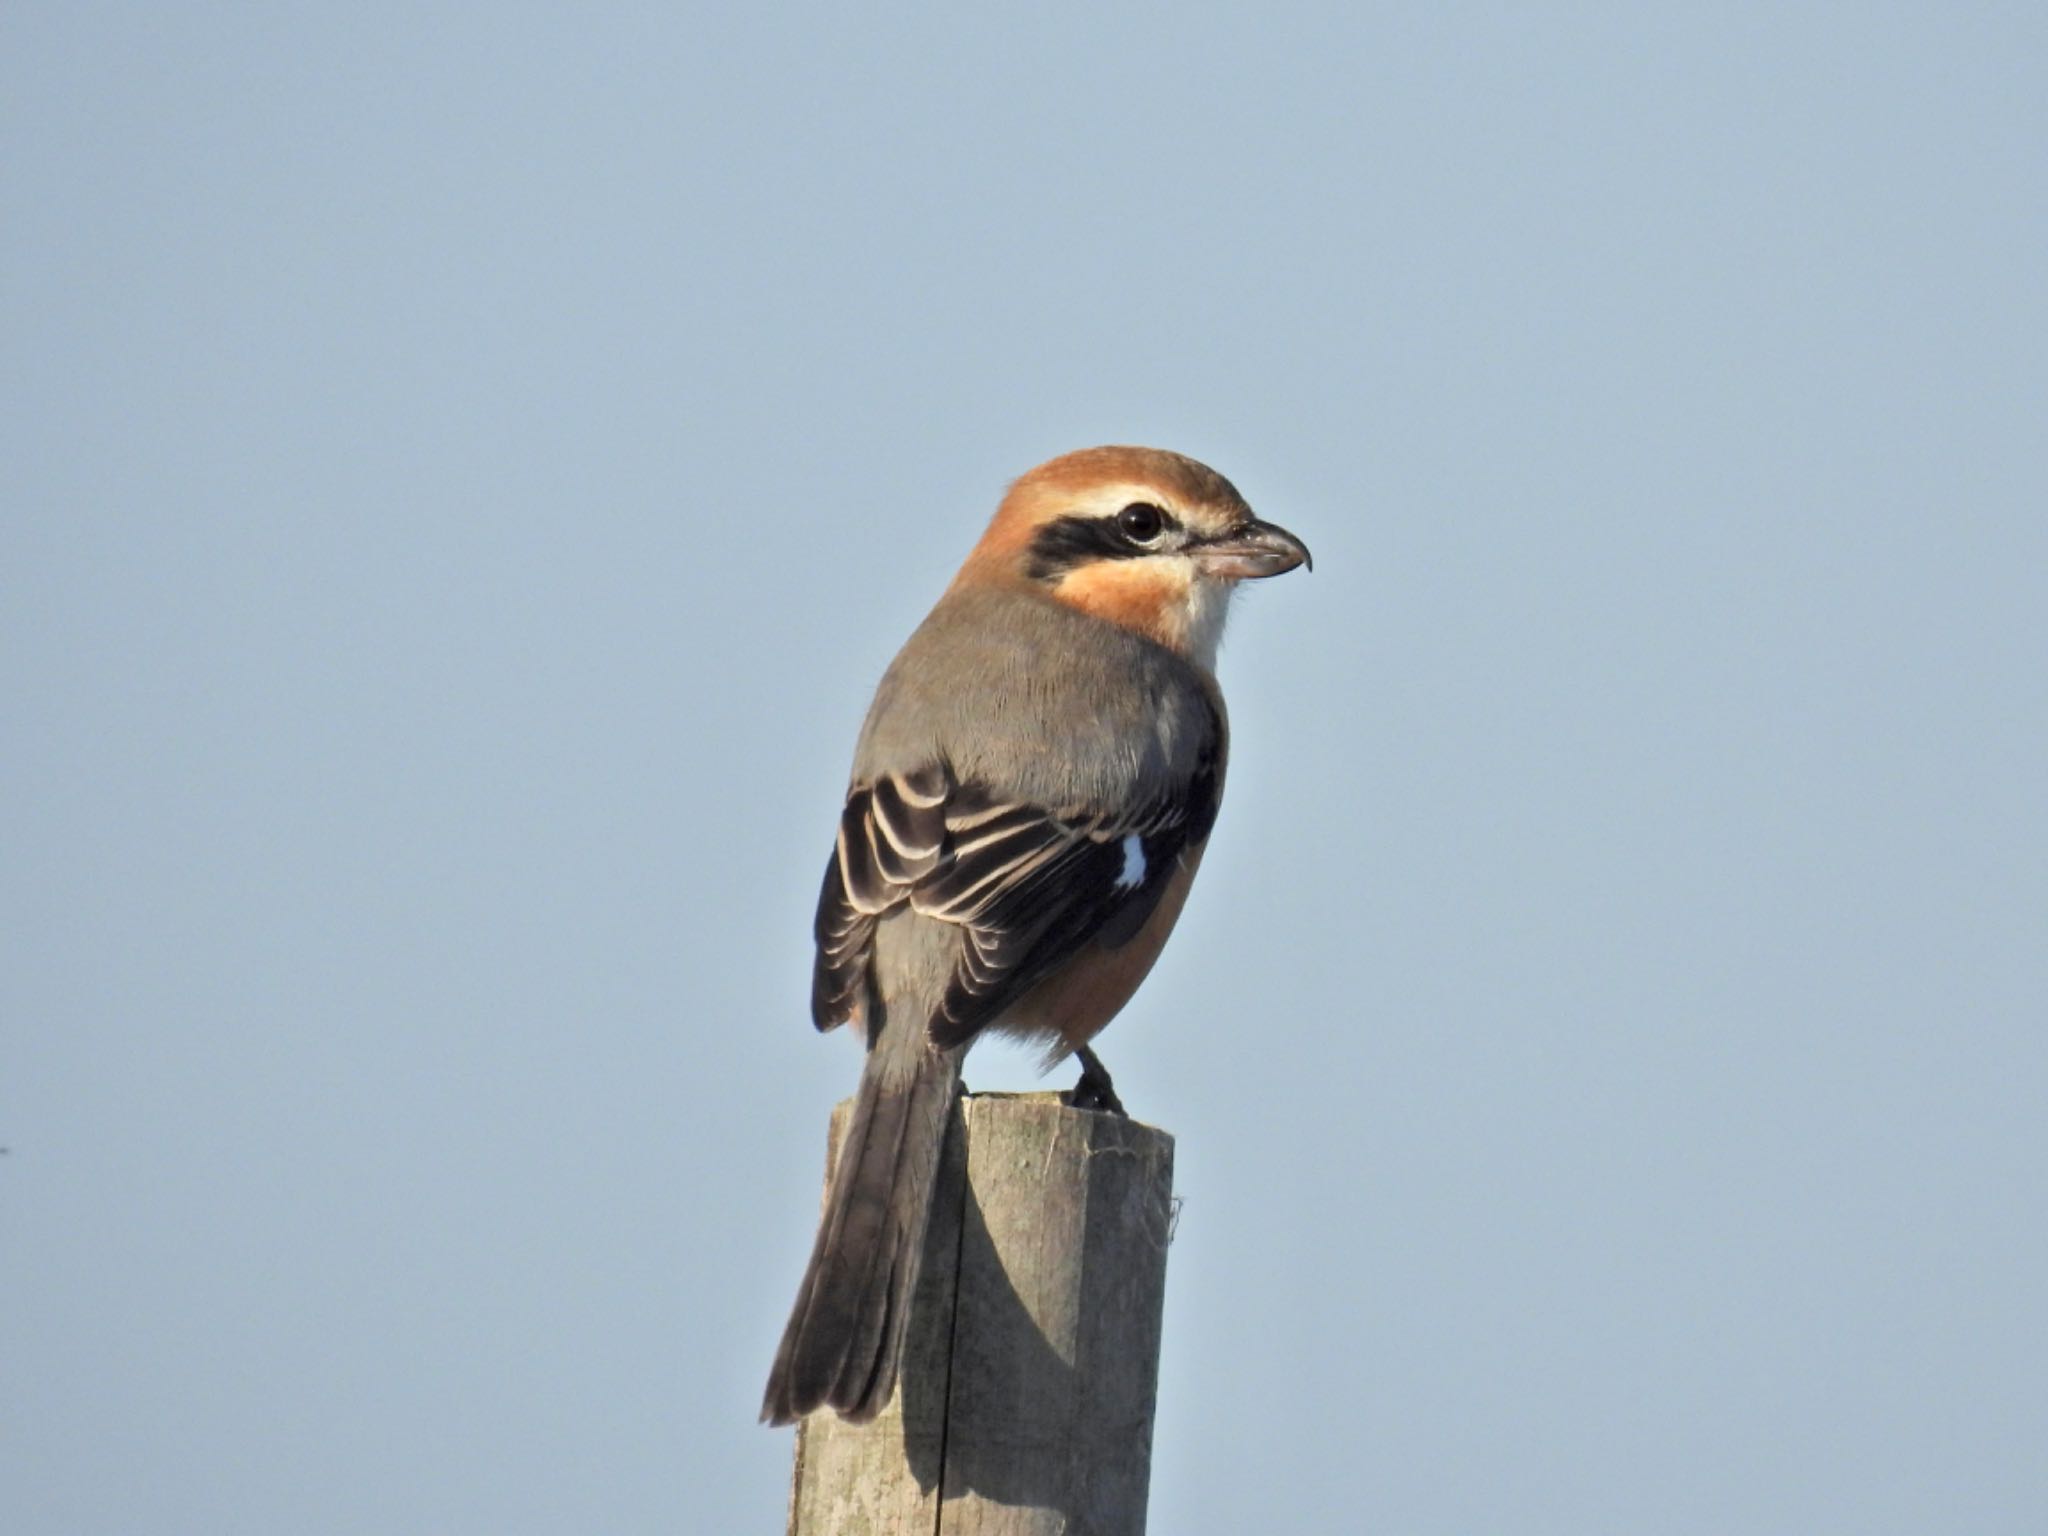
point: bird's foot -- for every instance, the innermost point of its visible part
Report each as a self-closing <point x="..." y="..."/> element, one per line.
<point x="1094" y="1090"/>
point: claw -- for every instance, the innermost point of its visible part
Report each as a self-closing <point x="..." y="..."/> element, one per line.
<point x="1094" y="1091"/>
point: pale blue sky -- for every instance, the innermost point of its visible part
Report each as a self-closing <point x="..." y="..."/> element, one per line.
<point x="465" y="470"/>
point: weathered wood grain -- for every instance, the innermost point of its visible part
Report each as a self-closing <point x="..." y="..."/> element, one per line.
<point x="1026" y="1398"/>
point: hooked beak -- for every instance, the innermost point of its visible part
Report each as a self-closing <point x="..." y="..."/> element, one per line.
<point x="1252" y="550"/>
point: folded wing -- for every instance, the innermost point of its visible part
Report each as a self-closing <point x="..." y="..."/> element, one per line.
<point x="1029" y="885"/>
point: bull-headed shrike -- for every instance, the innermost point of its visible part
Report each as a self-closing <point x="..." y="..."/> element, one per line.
<point x="1031" y="794"/>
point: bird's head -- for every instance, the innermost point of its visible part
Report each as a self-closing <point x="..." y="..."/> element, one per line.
<point x="1140" y="537"/>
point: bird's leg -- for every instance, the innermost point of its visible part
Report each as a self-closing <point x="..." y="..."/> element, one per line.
<point x="1094" y="1090"/>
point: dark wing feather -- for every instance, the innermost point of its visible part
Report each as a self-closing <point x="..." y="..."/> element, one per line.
<point x="1030" y="885"/>
<point x="843" y="933"/>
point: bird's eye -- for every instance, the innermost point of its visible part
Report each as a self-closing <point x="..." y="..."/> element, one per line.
<point x="1141" y="522"/>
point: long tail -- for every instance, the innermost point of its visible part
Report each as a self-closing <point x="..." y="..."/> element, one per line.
<point x="845" y="1334"/>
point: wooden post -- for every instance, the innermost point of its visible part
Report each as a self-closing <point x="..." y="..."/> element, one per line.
<point x="1032" y="1362"/>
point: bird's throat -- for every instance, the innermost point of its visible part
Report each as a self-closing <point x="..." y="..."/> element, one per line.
<point x="1164" y="599"/>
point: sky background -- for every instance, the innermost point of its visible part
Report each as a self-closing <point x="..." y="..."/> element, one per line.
<point x="466" y="467"/>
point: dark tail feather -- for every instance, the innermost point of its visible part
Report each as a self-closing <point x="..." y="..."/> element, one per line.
<point x="845" y="1334"/>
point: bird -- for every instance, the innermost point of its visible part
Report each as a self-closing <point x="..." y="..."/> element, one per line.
<point x="1031" y="794"/>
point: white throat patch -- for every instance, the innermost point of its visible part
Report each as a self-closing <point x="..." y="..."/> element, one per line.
<point x="1208" y="605"/>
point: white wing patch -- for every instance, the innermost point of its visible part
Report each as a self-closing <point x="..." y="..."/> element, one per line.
<point x="1133" y="874"/>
